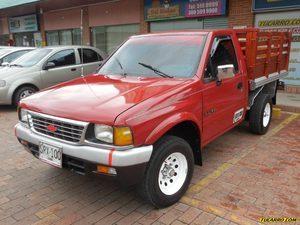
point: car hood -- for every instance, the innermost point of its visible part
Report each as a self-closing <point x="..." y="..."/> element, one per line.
<point x="7" y="71"/>
<point x="97" y="98"/>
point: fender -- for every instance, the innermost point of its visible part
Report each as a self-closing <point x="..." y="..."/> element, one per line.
<point x="169" y="123"/>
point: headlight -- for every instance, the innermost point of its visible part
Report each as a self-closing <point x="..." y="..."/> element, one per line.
<point x="23" y="116"/>
<point x="2" y="83"/>
<point x="104" y="133"/>
<point x="120" y="136"/>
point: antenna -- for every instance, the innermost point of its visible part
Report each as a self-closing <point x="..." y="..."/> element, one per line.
<point x="81" y="41"/>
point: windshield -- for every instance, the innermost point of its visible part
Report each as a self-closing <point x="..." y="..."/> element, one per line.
<point x="32" y="58"/>
<point x="161" y="55"/>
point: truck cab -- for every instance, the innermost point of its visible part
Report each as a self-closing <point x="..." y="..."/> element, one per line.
<point x="145" y="117"/>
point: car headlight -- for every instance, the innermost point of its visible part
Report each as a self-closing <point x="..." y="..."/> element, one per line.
<point x="23" y="116"/>
<point x="104" y="133"/>
<point x="2" y="83"/>
<point x="119" y="136"/>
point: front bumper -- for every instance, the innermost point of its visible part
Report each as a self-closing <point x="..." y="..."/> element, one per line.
<point x="134" y="159"/>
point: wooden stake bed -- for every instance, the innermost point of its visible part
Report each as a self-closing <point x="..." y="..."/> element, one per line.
<point x="266" y="55"/>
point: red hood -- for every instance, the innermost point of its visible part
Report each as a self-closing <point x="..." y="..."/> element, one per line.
<point x="98" y="99"/>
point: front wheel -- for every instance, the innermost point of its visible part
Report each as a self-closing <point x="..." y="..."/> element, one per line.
<point x="169" y="172"/>
<point x="260" y="114"/>
<point x="23" y="92"/>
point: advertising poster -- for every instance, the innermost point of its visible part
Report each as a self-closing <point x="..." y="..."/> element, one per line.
<point x="285" y="21"/>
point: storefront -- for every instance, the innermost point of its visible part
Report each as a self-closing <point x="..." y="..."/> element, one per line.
<point x="113" y="22"/>
<point x="186" y="14"/>
<point x="62" y="27"/>
<point x="25" y="30"/>
<point x="287" y="19"/>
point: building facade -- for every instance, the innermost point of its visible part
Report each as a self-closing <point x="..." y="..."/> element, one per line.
<point x="107" y="23"/>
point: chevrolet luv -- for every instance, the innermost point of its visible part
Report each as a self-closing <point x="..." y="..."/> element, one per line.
<point x="147" y="113"/>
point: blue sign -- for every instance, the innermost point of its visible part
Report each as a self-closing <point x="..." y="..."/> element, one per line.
<point x="273" y="5"/>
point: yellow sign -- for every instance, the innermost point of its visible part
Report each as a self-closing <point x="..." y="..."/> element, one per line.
<point x="279" y="23"/>
<point x="163" y="12"/>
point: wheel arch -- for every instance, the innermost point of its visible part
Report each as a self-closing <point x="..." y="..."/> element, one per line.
<point x="20" y="86"/>
<point x="187" y="128"/>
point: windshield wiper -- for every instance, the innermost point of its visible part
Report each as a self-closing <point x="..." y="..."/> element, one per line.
<point x="155" y="70"/>
<point x="122" y="68"/>
<point x="18" y="65"/>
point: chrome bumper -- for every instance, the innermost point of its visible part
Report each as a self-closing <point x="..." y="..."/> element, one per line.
<point x="110" y="157"/>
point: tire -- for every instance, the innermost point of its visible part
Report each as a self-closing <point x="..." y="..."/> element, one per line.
<point x="260" y="114"/>
<point x="180" y="160"/>
<point x="23" y="92"/>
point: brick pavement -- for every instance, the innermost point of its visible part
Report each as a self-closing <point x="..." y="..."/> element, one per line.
<point x="244" y="177"/>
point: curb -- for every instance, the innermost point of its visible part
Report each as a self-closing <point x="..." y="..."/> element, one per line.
<point x="293" y="109"/>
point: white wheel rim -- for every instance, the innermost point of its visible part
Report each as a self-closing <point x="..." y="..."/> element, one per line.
<point x="173" y="173"/>
<point x="267" y="115"/>
<point x="25" y="94"/>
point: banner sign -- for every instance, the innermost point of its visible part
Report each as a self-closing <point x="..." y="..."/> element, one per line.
<point x="23" y="24"/>
<point x="173" y="9"/>
<point x="203" y="8"/>
<point x="285" y="21"/>
<point x="271" y="5"/>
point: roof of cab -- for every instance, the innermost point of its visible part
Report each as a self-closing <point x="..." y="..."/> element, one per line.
<point x="171" y="33"/>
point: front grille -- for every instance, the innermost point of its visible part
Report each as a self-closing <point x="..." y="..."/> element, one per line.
<point x="64" y="130"/>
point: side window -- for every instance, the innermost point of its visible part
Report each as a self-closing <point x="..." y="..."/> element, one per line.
<point x="11" y="57"/>
<point x="222" y="53"/>
<point x="89" y="55"/>
<point x="63" y="58"/>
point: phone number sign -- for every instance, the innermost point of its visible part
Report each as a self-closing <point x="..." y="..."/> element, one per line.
<point x="204" y="8"/>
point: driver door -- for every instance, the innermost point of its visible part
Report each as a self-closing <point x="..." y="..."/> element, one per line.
<point x="223" y="99"/>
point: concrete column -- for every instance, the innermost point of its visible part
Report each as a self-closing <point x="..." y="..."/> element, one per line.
<point x="144" y="26"/>
<point x="42" y="27"/>
<point x="86" y="28"/>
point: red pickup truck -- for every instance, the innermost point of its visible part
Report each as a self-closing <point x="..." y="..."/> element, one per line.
<point x="147" y="113"/>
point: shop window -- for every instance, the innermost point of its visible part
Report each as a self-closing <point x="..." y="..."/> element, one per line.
<point x="76" y="37"/>
<point x="110" y="37"/>
<point x="89" y="55"/>
<point x="64" y="37"/>
<point x="63" y="58"/>
<point x="52" y="38"/>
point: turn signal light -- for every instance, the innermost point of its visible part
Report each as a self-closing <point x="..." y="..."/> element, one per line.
<point x="106" y="170"/>
<point x="122" y="136"/>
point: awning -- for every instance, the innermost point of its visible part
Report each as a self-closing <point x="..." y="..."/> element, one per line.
<point x="9" y="3"/>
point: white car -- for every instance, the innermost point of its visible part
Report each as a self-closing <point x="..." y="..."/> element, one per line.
<point x="45" y="67"/>
<point x="7" y="55"/>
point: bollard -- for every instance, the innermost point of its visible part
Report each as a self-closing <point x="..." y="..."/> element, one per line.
<point x="276" y="113"/>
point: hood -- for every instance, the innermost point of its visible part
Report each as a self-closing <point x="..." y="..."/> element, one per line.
<point x="7" y="71"/>
<point x="97" y="98"/>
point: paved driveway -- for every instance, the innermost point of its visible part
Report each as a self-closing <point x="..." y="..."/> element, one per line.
<point x="244" y="177"/>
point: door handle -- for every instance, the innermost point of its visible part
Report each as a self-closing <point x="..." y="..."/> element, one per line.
<point x="239" y="85"/>
<point x="73" y="69"/>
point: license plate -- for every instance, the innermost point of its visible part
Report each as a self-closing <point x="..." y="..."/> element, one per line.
<point x="50" y="154"/>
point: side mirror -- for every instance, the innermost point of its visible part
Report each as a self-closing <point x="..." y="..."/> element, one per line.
<point x="224" y="72"/>
<point x="49" y="65"/>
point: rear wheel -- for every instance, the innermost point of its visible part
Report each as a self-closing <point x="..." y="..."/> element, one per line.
<point x="169" y="172"/>
<point x="23" y="92"/>
<point x="260" y="114"/>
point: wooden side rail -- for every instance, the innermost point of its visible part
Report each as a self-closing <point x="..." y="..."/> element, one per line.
<point x="265" y="52"/>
